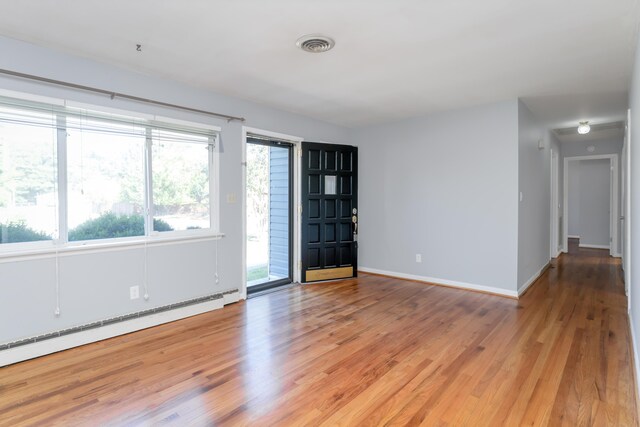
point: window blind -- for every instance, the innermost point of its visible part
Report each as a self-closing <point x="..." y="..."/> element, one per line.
<point x="32" y="113"/>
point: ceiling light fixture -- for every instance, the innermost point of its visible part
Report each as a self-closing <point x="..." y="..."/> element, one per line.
<point x="584" y="128"/>
<point x="315" y="43"/>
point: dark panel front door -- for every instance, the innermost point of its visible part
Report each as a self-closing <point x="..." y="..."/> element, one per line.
<point x="329" y="211"/>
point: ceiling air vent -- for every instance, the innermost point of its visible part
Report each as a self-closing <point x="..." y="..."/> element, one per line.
<point x="315" y="43"/>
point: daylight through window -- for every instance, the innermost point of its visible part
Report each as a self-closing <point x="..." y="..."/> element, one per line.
<point x="123" y="177"/>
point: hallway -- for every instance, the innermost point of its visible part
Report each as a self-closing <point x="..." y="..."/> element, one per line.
<point x="370" y="351"/>
<point x="584" y="308"/>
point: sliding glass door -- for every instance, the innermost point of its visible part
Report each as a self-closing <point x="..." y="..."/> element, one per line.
<point x="269" y="214"/>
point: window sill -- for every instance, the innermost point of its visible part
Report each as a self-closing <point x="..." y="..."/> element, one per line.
<point x="106" y="245"/>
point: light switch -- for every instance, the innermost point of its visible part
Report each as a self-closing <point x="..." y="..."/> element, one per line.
<point x="231" y="198"/>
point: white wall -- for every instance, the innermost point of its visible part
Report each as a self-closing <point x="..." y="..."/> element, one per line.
<point x="444" y="186"/>
<point x="555" y="145"/>
<point x="595" y="176"/>
<point x="589" y="201"/>
<point x="96" y="286"/>
<point x="605" y="146"/>
<point x="634" y="220"/>
<point x="534" y="211"/>
<point x="573" y="198"/>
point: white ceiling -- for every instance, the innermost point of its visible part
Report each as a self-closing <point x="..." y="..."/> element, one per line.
<point x="594" y="135"/>
<point x="567" y="110"/>
<point x="568" y="59"/>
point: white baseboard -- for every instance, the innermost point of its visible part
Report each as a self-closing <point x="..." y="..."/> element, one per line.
<point x="532" y="279"/>
<point x="636" y="359"/>
<point x="584" y="245"/>
<point x="53" y="345"/>
<point x="442" y="282"/>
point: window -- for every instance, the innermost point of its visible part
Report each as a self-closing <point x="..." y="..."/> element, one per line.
<point x="105" y="173"/>
<point x="121" y="177"/>
<point x="180" y="182"/>
<point x="28" y="177"/>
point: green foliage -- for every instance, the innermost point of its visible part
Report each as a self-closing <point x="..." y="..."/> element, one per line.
<point x="180" y="178"/>
<point x="160" y="225"/>
<point x="27" y="167"/>
<point x="110" y="225"/>
<point x="258" y="185"/>
<point x="14" y="232"/>
<point x="256" y="273"/>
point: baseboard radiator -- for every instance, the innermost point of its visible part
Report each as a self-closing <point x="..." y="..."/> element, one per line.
<point x="114" y="320"/>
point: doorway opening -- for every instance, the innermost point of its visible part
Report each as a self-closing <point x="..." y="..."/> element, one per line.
<point x="269" y="213"/>
<point x="591" y="203"/>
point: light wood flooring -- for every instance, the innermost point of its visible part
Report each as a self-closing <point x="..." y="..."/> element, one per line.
<point x="369" y="351"/>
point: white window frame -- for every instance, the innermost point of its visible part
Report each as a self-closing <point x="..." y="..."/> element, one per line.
<point x="61" y="243"/>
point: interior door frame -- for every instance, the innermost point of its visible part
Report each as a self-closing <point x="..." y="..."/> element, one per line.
<point x="626" y="238"/>
<point x="613" y="201"/>
<point x="554" y="246"/>
<point x="296" y="152"/>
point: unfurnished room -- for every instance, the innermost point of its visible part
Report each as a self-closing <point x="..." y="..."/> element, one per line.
<point x="306" y="213"/>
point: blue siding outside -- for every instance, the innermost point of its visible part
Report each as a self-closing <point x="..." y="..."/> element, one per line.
<point x="279" y="212"/>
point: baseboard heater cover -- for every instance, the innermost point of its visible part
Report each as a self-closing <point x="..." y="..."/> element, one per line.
<point x="117" y="319"/>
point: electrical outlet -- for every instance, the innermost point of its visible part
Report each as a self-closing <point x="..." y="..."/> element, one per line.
<point x="134" y="292"/>
<point x="418" y="257"/>
<point x="231" y="198"/>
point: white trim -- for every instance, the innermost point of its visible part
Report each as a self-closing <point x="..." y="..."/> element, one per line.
<point x="53" y="345"/>
<point x="148" y="183"/>
<point x="626" y="239"/>
<point x="585" y="245"/>
<point x="554" y="204"/>
<point x="613" y="200"/>
<point x="187" y="123"/>
<point x="26" y="96"/>
<point x="442" y="282"/>
<point x="297" y="215"/>
<point x="95" y="246"/>
<point x="106" y="110"/>
<point x="634" y="345"/>
<point x="296" y="141"/>
<point x="276" y="135"/>
<point x="572" y="237"/>
<point x="243" y="204"/>
<point x="214" y="184"/>
<point x="62" y="180"/>
<point x="532" y="279"/>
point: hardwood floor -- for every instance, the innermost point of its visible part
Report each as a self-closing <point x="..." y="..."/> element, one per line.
<point x="371" y="351"/>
